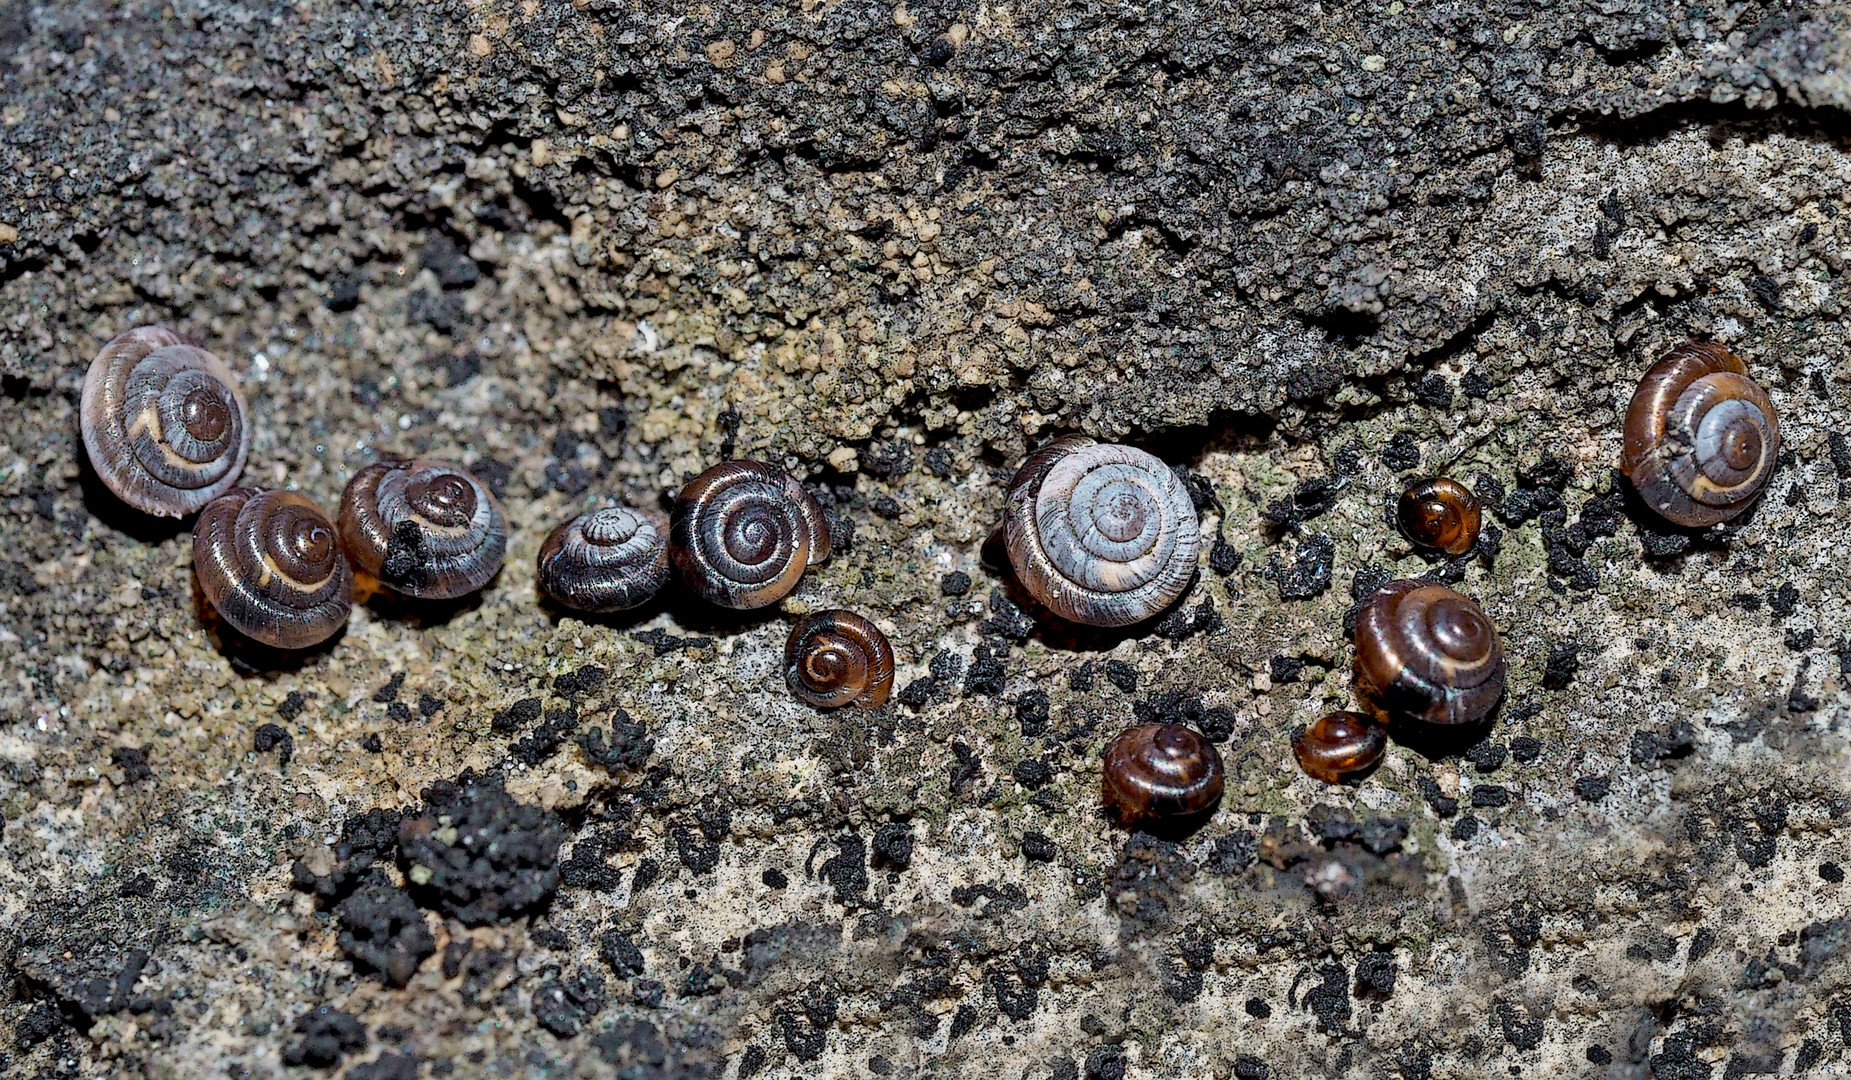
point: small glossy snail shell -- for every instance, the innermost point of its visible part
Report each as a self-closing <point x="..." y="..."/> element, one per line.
<point x="1701" y="437"/>
<point x="1156" y="771"/>
<point x="1339" y="746"/>
<point x="424" y="528"/>
<point x="838" y="658"/>
<point x="163" y="422"/>
<point x="271" y="564"/>
<point x="742" y="533"/>
<point x="607" y="560"/>
<point x="1426" y="653"/>
<point x="1439" y="513"/>
<point x="1100" y="534"/>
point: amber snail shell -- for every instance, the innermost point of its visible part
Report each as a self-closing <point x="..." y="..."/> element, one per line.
<point x="742" y="533"/>
<point x="271" y="565"/>
<point x="608" y="560"/>
<point x="1158" y="771"/>
<point x="163" y="422"/>
<point x="1100" y="534"/>
<point x="1339" y="746"/>
<point x="1426" y="653"/>
<point x="1701" y="437"/>
<point x="424" y="528"/>
<point x="838" y="658"/>
<point x="1440" y="514"/>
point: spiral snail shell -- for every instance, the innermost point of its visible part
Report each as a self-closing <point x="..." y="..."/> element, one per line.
<point x="1156" y="771"/>
<point x="424" y="528"/>
<point x="1426" y="653"/>
<point x="838" y="658"/>
<point x="270" y="563"/>
<point x="163" y="422"/>
<point x="1701" y="437"/>
<point x="742" y="533"/>
<point x="1339" y="746"/>
<point x="1100" y="534"/>
<point x="1439" y="513"/>
<point x="608" y="560"/>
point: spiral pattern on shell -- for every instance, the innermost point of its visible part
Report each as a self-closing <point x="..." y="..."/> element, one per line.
<point x="1426" y="653"/>
<point x="425" y="528"/>
<point x="1439" y="513"/>
<point x="1701" y="437"/>
<point x="608" y="560"/>
<point x="1339" y="746"/>
<point x="838" y="658"/>
<point x="742" y="533"/>
<point x="163" y="422"/>
<point x="270" y="564"/>
<point x="1157" y="771"/>
<point x="1100" y="534"/>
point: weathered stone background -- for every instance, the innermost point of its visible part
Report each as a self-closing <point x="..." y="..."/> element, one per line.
<point x="1304" y="251"/>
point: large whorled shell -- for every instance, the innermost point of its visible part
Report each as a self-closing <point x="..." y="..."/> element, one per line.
<point x="164" y="422"/>
<point x="270" y="564"/>
<point x="1159" y="771"/>
<point x="608" y="560"/>
<point x="1426" y="653"/>
<point x="1701" y="437"/>
<point x="742" y="533"/>
<point x="1100" y="534"/>
<point x="838" y="658"/>
<point x="424" y="528"/>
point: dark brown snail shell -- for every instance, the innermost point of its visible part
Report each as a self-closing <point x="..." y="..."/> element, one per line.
<point x="1339" y="746"/>
<point x="1156" y="771"/>
<point x="1439" y="513"/>
<point x="1426" y="653"/>
<point x="1701" y="437"/>
<point x="608" y="560"/>
<point x="838" y="658"/>
<point x="742" y="533"/>
<point x="1100" y="534"/>
<point x="163" y="422"/>
<point x="271" y="565"/>
<point x="424" y="528"/>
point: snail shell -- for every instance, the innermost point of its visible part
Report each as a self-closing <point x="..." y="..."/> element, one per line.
<point x="1701" y="436"/>
<point x="271" y="564"/>
<point x="164" y="422"/>
<point x="607" y="560"/>
<point x="1339" y="746"/>
<point x="1155" y="771"/>
<point x="1439" y="513"/>
<point x="424" y="528"/>
<point x="1101" y="534"/>
<point x="742" y="533"/>
<point x="1426" y="653"/>
<point x="838" y="658"/>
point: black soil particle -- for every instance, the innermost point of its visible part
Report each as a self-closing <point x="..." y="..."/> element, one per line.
<point x="383" y="932"/>
<point x="327" y="1035"/>
<point x="476" y="854"/>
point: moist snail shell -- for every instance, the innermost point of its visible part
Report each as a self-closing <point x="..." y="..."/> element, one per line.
<point x="1162" y="771"/>
<point x="1426" y="653"/>
<point x="424" y="528"/>
<point x="271" y="565"/>
<point x="1100" y="534"/>
<point x="163" y="422"/>
<point x="1439" y="513"/>
<point x="742" y="533"/>
<point x="1340" y="746"/>
<point x="838" y="658"/>
<point x="1701" y="436"/>
<point x="608" y="560"/>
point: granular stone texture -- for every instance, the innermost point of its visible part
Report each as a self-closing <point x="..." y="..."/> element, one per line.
<point x="1305" y="253"/>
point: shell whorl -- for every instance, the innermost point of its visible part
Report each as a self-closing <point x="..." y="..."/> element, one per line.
<point x="1155" y="771"/>
<point x="163" y="422"/>
<point x="742" y="533"/>
<point x="838" y="658"/>
<point x="1424" y="652"/>
<point x="1101" y="534"/>
<point x="608" y="560"/>
<point x="271" y="564"/>
<point x="1702" y="438"/>
<point x="1439" y="513"/>
<point x="425" y="528"/>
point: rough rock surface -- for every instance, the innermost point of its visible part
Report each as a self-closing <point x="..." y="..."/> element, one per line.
<point x="1304" y="251"/>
